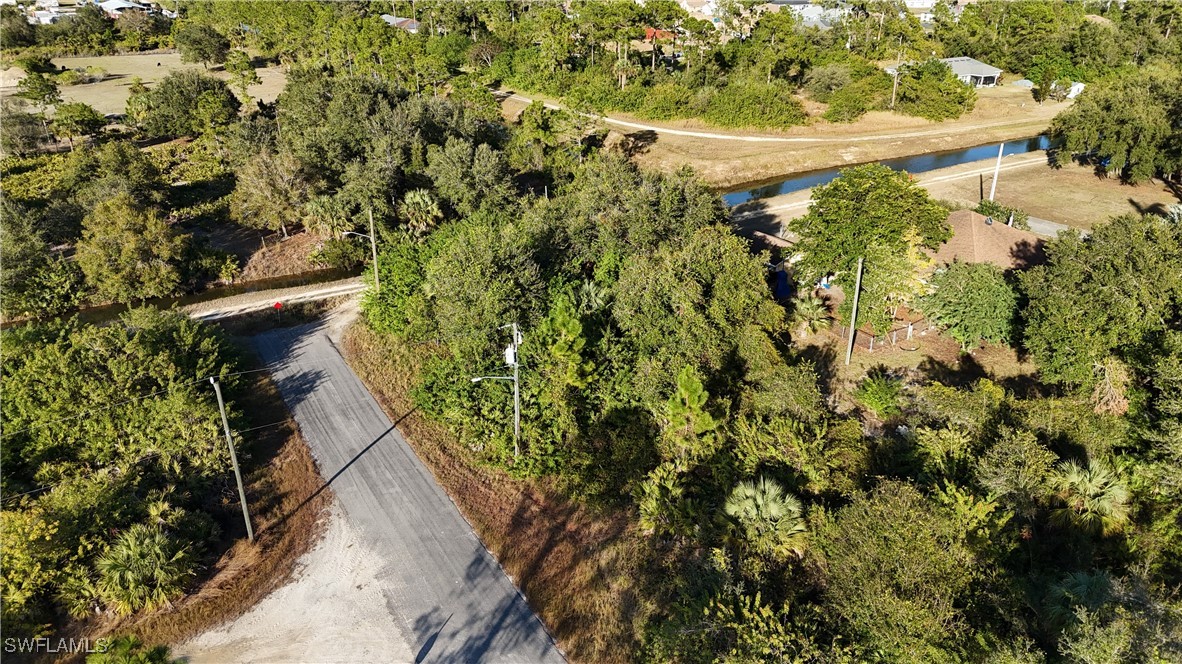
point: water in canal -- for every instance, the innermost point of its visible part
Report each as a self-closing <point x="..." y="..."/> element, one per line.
<point x="915" y="164"/>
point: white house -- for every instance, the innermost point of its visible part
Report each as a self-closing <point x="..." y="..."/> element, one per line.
<point x="969" y="71"/>
<point x="114" y="8"/>
<point x="974" y="72"/>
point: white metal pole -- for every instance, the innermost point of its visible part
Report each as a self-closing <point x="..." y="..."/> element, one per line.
<point x="516" y="396"/>
<point x="849" y="349"/>
<point x="996" y="172"/>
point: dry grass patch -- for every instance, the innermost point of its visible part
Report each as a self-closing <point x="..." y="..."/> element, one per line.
<point x="578" y="566"/>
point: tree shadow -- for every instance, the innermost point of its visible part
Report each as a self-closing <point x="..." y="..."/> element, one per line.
<point x="1028" y="254"/>
<point x="824" y="361"/>
<point x="621" y="446"/>
<point x="299" y="386"/>
<point x="637" y="142"/>
<point x="966" y="371"/>
<point x="508" y="631"/>
<point x="327" y="483"/>
<point x="1159" y="209"/>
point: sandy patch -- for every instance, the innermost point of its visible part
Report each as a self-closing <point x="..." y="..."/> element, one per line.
<point x="331" y="611"/>
<point x="110" y="96"/>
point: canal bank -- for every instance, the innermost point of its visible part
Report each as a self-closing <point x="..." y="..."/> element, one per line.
<point x="1071" y="196"/>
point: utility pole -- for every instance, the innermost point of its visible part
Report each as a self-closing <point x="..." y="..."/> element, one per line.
<point x="849" y="349"/>
<point x="895" y="87"/>
<point x="373" y="245"/>
<point x="511" y="360"/>
<point x="511" y="357"/>
<point x="217" y="389"/>
<point x="996" y="172"/>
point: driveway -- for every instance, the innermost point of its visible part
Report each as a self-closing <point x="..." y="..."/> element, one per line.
<point x="448" y="597"/>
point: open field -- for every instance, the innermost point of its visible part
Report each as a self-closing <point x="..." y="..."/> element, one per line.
<point x="110" y="96"/>
<point x="1072" y="195"/>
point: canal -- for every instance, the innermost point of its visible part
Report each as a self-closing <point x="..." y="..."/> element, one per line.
<point x="914" y="164"/>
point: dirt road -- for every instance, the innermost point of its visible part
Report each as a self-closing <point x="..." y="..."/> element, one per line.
<point x="261" y="300"/>
<point x="771" y="215"/>
<point x="749" y="138"/>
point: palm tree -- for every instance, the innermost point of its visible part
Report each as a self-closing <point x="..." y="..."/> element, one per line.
<point x="326" y="217"/>
<point x="810" y="314"/>
<point x="142" y="570"/>
<point x="1094" y="499"/>
<point x="767" y="519"/>
<point x="421" y="211"/>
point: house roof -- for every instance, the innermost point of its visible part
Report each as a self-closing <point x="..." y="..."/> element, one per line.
<point x="970" y="67"/>
<point x="974" y="241"/>
<point x="408" y="24"/>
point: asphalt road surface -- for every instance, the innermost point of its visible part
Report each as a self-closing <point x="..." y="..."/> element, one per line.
<point x="448" y="595"/>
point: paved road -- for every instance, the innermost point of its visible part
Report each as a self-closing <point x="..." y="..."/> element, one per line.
<point x="452" y="601"/>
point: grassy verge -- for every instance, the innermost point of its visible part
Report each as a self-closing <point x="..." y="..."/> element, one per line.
<point x="286" y="510"/>
<point x="577" y="566"/>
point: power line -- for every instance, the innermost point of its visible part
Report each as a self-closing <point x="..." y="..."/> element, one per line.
<point x="99" y="410"/>
<point x="93" y="411"/>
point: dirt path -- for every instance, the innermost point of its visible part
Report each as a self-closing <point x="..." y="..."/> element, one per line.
<point x="771" y="215"/>
<point x="749" y="138"/>
<point x="260" y="300"/>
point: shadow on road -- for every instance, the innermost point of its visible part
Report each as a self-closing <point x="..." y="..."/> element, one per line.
<point x="298" y="386"/>
<point x="340" y="472"/>
<point x="430" y="642"/>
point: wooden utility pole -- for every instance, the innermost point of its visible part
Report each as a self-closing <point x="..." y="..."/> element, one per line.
<point x="849" y="349"/>
<point x="373" y="245"/>
<point x="217" y="389"/>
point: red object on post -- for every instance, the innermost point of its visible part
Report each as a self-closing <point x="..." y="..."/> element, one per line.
<point x="278" y="306"/>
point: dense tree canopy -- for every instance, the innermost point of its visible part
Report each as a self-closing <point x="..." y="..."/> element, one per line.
<point x="184" y="104"/>
<point x="1106" y="294"/>
<point x="112" y="439"/>
<point x="974" y="302"/>
<point x="1128" y="124"/>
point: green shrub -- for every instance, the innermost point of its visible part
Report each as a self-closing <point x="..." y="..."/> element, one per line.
<point x="930" y="90"/>
<point x="338" y="253"/>
<point x="754" y="104"/>
<point x="821" y="82"/>
<point x="667" y="101"/>
<point x="880" y="394"/>
<point x="1002" y="214"/>
<point x="70" y="77"/>
<point x="143" y="569"/>
<point x="854" y="100"/>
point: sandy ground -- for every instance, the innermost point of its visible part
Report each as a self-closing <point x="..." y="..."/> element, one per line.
<point x="265" y="299"/>
<point x="331" y="611"/>
<point x="1072" y="195"/>
<point x="110" y="96"/>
